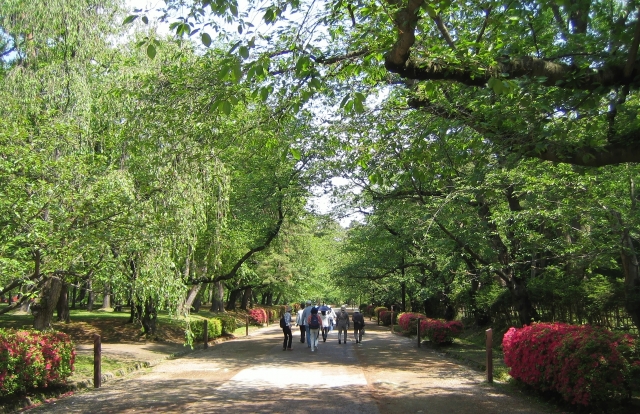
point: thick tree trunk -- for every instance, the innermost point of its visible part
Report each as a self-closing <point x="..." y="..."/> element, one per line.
<point x="217" y="301"/>
<point x="277" y="301"/>
<point x="631" y="269"/>
<point x="149" y="318"/>
<point x="233" y="298"/>
<point x="245" y="298"/>
<point x="63" y="304"/>
<point x="83" y="292"/>
<point x="43" y="309"/>
<point x="106" y="298"/>
<point x="404" y="294"/>
<point x="185" y="307"/>
<point x="132" y="316"/>
<point x="73" y="296"/>
<point x="520" y="295"/>
<point x="270" y="299"/>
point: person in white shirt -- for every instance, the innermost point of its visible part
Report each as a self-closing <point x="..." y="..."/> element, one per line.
<point x="300" y="323"/>
<point x="326" y="324"/>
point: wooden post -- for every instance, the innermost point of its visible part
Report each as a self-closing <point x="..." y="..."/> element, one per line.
<point x="391" y="321"/>
<point x="489" y="355"/>
<point x="419" y="344"/>
<point x="247" y="325"/>
<point x="378" y="317"/>
<point x="206" y="334"/>
<point x="97" y="361"/>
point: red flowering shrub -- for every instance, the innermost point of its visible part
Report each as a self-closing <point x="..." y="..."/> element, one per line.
<point x="385" y="317"/>
<point x="587" y="365"/>
<point x="369" y="310"/>
<point x="377" y="310"/>
<point x="440" y="332"/>
<point x="30" y="359"/>
<point x="408" y="321"/>
<point x="258" y="315"/>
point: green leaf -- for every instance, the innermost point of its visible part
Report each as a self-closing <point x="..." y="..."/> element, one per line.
<point x="295" y="153"/>
<point x="130" y="19"/>
<point x="237" y="72"/>
<point x="357" y="104"/>
<point x="151" y="51"/>
<point x="226" y="107"/>
<point x="244" y="52"/>
<point x="145" y="20"/>
<point x="206" y="39"/>
<point x="264" y="93"/>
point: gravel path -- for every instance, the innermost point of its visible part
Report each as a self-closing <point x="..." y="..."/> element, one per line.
<point x="385" y="374"/>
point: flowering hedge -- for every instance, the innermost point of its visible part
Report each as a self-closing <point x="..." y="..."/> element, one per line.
<point x="440" y="332"/>
<point x="30" y="359"/>
<point x="408" y="321"/>
<point x="377" y="310"/>
<point x="586" y="364"/>
<point x="258" y="315"/>
<point x="385" y="317"/>
<point x="369" y="310"/>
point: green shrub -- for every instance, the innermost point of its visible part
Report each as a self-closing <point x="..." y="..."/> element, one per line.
<point x="30" y="359"/>
<point x="229" y="323"/>
<point x="214" y="326"/>
<point x="376" y="311"/>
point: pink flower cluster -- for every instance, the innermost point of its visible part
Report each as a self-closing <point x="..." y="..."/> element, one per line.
<point x="30" y="359"/>
<point x="258" y="315"/>
<point x="407" y="320"/>
<point x="586" y="364"/>
<point x="439" y="331"/>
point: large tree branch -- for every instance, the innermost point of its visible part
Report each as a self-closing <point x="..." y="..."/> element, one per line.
<point x="546" y="72"/>
<point x="270" y="237"/>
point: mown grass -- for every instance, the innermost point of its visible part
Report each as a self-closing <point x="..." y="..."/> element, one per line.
<point x="84" y="366"/>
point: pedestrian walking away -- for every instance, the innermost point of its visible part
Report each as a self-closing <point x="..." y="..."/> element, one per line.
<point x="358" y="325"/>
<point x="342" y="323"/>
<point x="286" y="329"/>
<point x="326" y="323"/>
<point x="315" y="323"/>
<point x="305" y="317"/>
<point x="300" y="323"/>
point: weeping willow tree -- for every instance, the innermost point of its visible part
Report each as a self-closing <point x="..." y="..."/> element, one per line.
<point x="98" y="191"/>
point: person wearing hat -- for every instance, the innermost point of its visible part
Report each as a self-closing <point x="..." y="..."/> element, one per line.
<point x="305" y="317"/>
<point x="342" y="323"/>
<point x="286" y="330"/>
<point x="300" y="323"/>
<point x="358" y="325"/>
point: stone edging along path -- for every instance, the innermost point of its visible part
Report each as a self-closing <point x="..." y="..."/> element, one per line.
<point x="385" y="374"/>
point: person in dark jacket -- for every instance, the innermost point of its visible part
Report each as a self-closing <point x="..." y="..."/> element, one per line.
<point x="286" y="330"/>
<point x="358" y="325"/>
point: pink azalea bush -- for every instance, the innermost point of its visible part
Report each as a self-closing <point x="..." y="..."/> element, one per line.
<point x="586" y="364"/>
<point x="408" y="321"/>
<point x="31" y="359"/>
<point x="440" y="332"/>
<point x="385" y="317"/>
<point x="258" y="315"/>
<point x="369" y="310"/>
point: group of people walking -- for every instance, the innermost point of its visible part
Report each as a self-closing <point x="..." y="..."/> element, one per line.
<point x="314" y="321"/>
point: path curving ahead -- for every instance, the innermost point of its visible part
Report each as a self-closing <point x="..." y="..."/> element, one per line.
<point x="385" y="374"/>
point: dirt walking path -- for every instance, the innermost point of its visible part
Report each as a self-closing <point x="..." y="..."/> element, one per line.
<point x="385" y="374"/>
